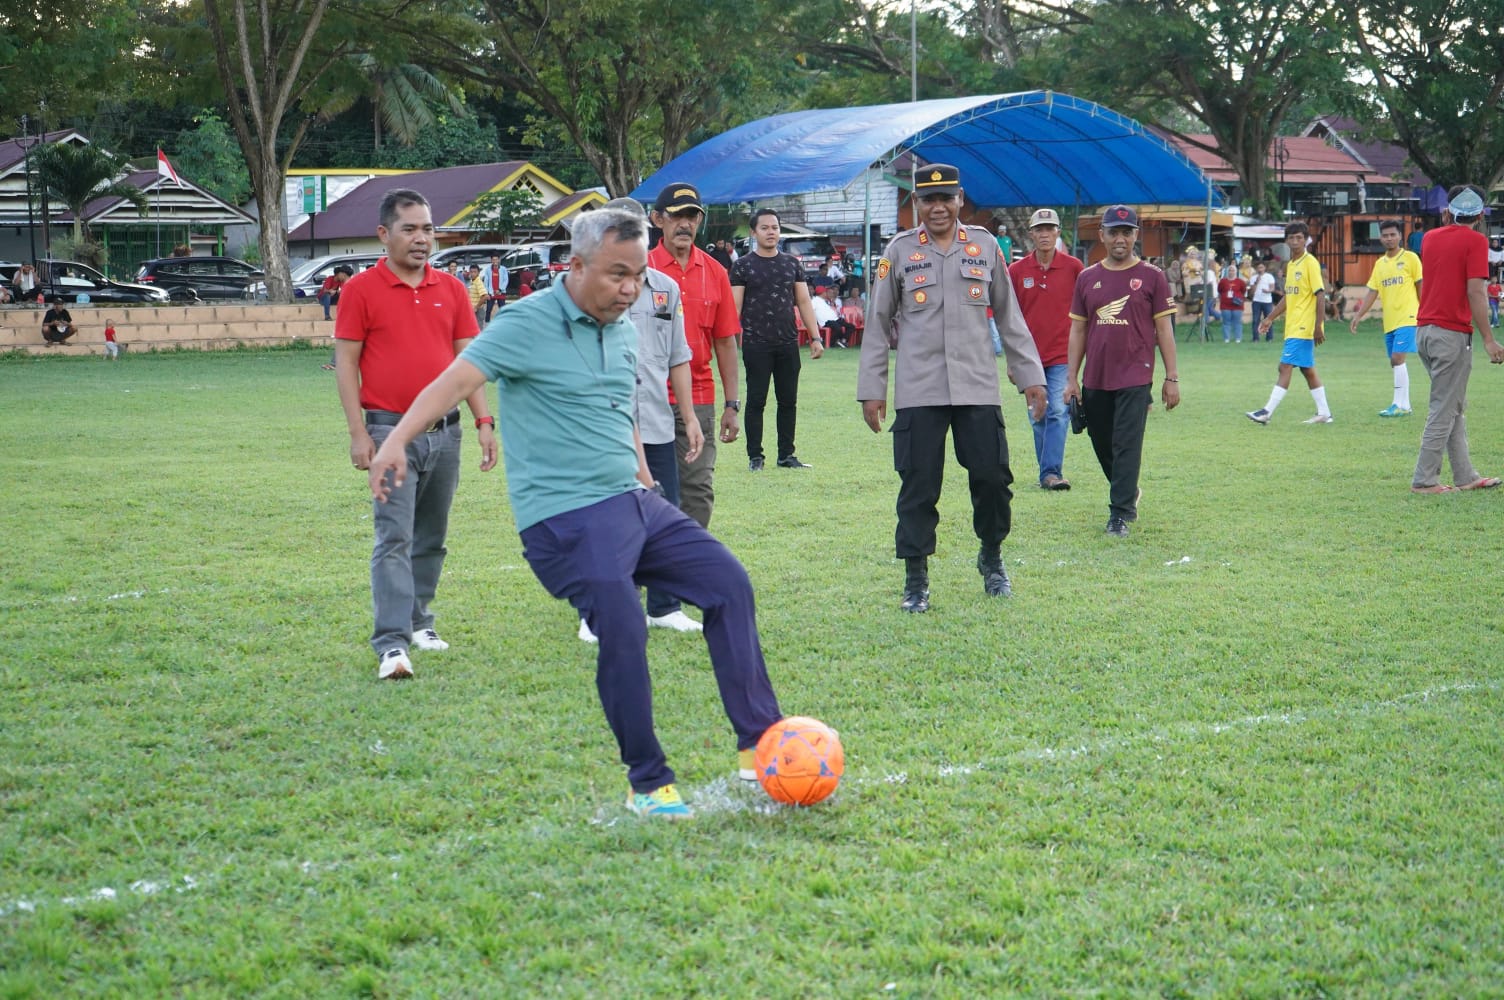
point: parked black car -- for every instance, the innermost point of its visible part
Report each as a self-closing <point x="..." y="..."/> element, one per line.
<point x="75" y="282"/>
<point x="208" y="277"/>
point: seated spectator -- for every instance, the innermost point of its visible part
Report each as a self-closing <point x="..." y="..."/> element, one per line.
<point x="57" y="323"/>
<point x="526" y="278"/>
<point x="835" y="331"/>
<point x="5" y="296"/>
<point x="329" y="290"/>
<point x="26" y="285"/>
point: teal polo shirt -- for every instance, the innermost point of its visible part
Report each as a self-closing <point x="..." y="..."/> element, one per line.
<point x="565" y="386"/>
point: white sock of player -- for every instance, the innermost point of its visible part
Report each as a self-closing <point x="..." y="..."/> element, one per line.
<point x="1402" y="386"/>
<point x="1274" y="398"/>
<point x="1320" y="396"/>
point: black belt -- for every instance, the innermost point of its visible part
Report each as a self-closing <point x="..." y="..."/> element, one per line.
<point x="388" y="418"/>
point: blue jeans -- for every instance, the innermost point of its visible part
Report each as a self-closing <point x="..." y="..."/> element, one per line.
<point x="326" y="300"/>
<point x="1493" y="312"/>
<point x="410" y="530"/>
<point x="1049" y="433"/>
<point x="663" y="463"/>
<point x="1260" y="310"/>
<point x="596" y="557"/>
<point x="1232" y="325"/>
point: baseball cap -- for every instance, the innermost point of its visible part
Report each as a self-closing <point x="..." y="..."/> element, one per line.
<point x="937" y="178"/>
<point x="1119" y="215"/>
<point x="1044" y="217"/>
<point x="678" y="198"/>
<point x="625" y="205"/>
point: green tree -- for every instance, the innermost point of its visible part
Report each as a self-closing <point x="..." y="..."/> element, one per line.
<point x="78" y="174"/>
<point x="60" y="58"/>
<point x="1236" y="66"/>
<point x="209" y="154"/>
<point x="629" y="82"/>
<point x="405" y="99"/>
<point x="1438" y="83"/>
<point x="505" y="212"/>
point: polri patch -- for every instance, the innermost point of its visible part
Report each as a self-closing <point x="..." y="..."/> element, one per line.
<point x="920" y="298"/>
<point x="975" y="291"/>
<point x="882" y="268"/>
<point x="972" y="250"/>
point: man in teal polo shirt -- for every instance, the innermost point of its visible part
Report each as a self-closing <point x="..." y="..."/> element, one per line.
<point x="565" y="363"/>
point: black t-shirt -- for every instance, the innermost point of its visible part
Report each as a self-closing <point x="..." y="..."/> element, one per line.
<point x="768" y="299"/>
<point x="56" y="313"/>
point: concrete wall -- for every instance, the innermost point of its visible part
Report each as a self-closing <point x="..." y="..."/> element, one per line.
<point x="146" y="328"/>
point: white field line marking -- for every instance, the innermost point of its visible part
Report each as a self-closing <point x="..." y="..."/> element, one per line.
<point x="140" y="887"/>
<point x="716" y="797"/>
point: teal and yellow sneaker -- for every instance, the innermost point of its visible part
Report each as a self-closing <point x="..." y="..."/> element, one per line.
<point x="1394" y="410"/>
<point x="746" y="764"/>
<point x="660" y="803"/>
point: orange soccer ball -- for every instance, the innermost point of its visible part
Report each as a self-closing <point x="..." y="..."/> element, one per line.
<point x="799" y="761"/>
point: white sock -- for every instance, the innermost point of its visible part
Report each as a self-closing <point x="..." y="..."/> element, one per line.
<point x="1274" y="398"/>
<point x="1402" y="386"/>
<point x="1320" y="396"/>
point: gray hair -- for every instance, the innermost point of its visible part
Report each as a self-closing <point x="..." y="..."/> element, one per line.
<point x="591" y="228"/>
<point x="395" y="201"/>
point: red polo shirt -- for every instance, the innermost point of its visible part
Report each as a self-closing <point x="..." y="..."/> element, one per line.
<point x="408" y="333"/>
<point x="1044" y="297"/>
<point x="709" y="313"/>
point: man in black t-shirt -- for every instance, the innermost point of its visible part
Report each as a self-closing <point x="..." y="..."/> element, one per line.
<point x="767" y="286"/>
<point x="57" y="324"/>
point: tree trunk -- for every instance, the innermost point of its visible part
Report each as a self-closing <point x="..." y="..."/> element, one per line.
<point x="267" y="183"/>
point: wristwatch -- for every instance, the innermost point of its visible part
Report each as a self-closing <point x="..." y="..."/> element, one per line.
<point x="734" y="404"/>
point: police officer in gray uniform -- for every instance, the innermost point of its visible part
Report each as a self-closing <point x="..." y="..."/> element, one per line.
<point x="929" y="302"/>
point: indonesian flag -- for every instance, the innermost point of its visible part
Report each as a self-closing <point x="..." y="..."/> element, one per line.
<point x="164" y="169"/>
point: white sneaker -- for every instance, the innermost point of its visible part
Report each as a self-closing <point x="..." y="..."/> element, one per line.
<point x="1320" y="418"/>
<point x="428" y="639"/>
<point x="1259" y="416"/>
<point x="586" y="635"/>
<point x="394" y="666"/>
<point x="676" y="620"/>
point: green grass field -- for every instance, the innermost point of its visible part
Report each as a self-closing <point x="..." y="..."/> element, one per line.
<point x="1253" y="750"/>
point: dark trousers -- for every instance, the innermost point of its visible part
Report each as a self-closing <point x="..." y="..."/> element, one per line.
<point x="919" y="456"/>
<point x="596" y="557"/>
<point x="1115" y="420"/>
<point x="663" y="463"/>
<point x="781" y="366"/>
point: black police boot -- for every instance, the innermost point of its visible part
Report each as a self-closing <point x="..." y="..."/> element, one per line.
<point x="995" y="581"/>
<point x="916" y="585"/>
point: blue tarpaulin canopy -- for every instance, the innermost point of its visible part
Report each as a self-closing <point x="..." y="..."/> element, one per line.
<point x="1031" y="148"/>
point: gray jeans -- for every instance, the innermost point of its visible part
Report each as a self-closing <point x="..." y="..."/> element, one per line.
<point x="1448" y="357"/>
<point x="697" y="478"/>
<point x="410" y="530"/>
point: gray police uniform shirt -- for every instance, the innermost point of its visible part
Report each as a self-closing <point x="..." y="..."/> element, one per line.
<point x="659" y="318"/>
<point x="931" y="306"/>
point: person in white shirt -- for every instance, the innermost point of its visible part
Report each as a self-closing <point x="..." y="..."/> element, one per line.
<point x="835" y="331"/>
<point x="1261" y="294"/>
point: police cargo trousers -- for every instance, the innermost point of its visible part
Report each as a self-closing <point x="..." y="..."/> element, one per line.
<point x="919" y="457"/>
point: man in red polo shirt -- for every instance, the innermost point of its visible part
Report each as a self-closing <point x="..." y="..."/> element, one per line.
<point x="1453" y="303"/>
<point x="1043" y="282"/>
<point x="710" y="325"/>
<point x="401" y="324"/>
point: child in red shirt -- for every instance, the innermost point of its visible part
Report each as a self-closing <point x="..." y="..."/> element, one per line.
<point x="111" y="348"/>
<point x="1494" y="291"/>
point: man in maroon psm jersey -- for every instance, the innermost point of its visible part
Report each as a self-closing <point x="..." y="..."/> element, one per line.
<point x="1122" y="308"/>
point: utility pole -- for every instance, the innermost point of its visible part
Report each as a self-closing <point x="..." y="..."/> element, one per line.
<point x="31" y="224"/>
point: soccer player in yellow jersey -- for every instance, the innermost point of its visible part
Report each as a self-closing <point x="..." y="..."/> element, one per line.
<point x="1396" y="282"/>
<point x="1303" y="307"/>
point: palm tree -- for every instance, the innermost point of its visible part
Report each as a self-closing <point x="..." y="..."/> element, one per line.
<point x="403" y="97"/>
<point x="77" y="175"/>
